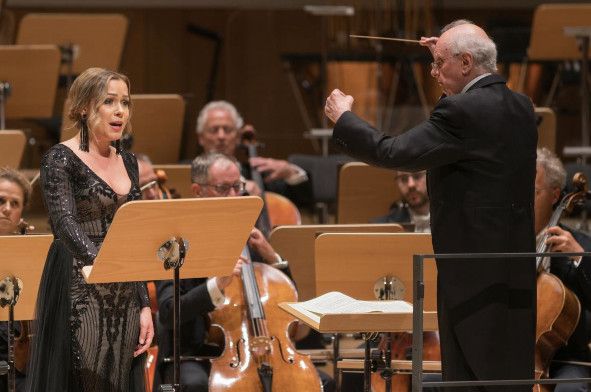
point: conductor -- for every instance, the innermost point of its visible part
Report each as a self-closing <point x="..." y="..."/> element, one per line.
<point x="479" y="149"/>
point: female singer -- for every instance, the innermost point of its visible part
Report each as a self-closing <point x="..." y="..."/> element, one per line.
<point x="88" y="335"/>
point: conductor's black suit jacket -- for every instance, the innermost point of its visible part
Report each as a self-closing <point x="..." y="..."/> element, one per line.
<point x="479" y="148"/>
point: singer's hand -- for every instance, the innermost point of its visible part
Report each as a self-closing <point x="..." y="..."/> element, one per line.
<point x="337" y="103"/>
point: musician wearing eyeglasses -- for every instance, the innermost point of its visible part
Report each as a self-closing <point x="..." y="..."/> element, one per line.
<point x="414" y="204"/>
<point x="213" y="175"/>
<point x="220" y="128"/>
<point x="14" y="195"/>
<point x="479" y="149"/>
<point x="575" y="273"/>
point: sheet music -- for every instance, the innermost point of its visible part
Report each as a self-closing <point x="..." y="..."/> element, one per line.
<point x="335" y="302"/>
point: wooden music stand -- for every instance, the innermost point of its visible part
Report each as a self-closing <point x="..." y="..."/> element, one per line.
<point x="562" y="32"/>
<point x="32" y="73"/>
<point x="206" y="235"/>
<point x="179" y="178"/>
<point x="95" y="40"/>
<point x="296" y="244"/>
<point x="548" y="41"/>
<point x="364" y="192"/>
<point x="12" y="146"/>
<point x="353" y="262"/>
<point x="157" y="125"/>
<point x="546" y="128"/>
<point x="22" y="257"/>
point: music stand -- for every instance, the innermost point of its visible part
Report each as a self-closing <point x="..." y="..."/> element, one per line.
<point x="364" y="192"/>
<point x="86" y="40"/>
<point x="296" y="244"/>
<point x="22" y="258"/>
<point x="351" y="262"/>
<point x="12" y="146"/>
<point x="370" y="265"/>
<point x="28" y="81"/>
<point x="178" y="178"/>
<point x="562" y="32"/>
<point x="207" y="235"/>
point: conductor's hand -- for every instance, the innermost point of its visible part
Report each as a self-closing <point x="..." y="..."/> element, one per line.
<point x="146" y="331"/>
<point x="430" y="43"/>
<point x="562" y="241"/>
<point x="224" y="281"/>
<point x="337" y="103"/>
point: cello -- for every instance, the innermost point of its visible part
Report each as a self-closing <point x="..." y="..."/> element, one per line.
<point x="558" y="308"/>
<point x="258" y="353"/>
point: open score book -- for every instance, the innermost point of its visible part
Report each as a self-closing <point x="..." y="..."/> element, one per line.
<point x="337" y="312"/>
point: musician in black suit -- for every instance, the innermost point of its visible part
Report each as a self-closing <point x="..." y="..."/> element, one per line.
<point x="213" y="175"/>
<point x="479" y="149"/>
<point x="575" y="273"/>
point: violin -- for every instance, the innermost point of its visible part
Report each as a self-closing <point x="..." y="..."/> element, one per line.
<point x="277" y="209"/>
<point x="258" y="353"/>
<point x="558" y="308"/>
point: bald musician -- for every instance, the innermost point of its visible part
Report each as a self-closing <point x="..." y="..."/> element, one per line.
<point x="479" y="149"/>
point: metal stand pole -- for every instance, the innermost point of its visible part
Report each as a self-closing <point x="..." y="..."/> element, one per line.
<point x="172" y="253"/>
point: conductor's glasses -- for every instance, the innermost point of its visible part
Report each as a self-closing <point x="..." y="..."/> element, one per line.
<point x="224" y="189"/>
<point x="438" y="63"/>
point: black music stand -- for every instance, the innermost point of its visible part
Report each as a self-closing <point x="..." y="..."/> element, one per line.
<point x="146" y="234"/>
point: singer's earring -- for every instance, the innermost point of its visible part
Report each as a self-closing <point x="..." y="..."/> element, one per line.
<point x="84" y="134"/>
<point x="117" y="145"/>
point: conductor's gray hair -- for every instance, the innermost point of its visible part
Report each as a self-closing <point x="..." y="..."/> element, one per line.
<point x="200" y="165"/>
<point x="218" y="105"/>
<point x="554" y="169"/>
<point x="482" y="49"/>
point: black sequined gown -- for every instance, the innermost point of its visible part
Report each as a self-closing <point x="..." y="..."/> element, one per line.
<point x="103" y="319"/>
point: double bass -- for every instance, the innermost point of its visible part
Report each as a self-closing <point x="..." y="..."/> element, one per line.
<point x="258" y="352"/>
<point x="558" y="308"/>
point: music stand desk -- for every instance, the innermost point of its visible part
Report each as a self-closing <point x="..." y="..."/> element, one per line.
<point x="12" y="146"/>
<point x="352" y="262"/>
<point x="548" y="40"/>
<point x="32" y="71"/>
<point x="296" y="244"/>
<point x="97" y="39"/>
<point x="364" y="192"/>
<point x="216" y="230"/>
<point x="179" y="178"/>
<point x="23" y="256"/>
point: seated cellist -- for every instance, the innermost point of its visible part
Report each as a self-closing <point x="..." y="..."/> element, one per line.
<point x="213" y="175"/>
<point x="574" y="273"/>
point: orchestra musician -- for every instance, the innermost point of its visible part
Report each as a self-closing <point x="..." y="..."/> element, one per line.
<point x="147" y="178"/>
<point x="479" y="149"/>
<point x="15" y="193"/>
<point x="414" y="206"/>
<point x="575" y="273"/>
<point x="219" y="127"/>
<point x="212" y="175"/>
